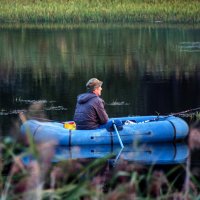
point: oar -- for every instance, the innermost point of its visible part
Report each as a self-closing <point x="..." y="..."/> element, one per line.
<point x="118" y="155"/>
<point x="120" y="141"/>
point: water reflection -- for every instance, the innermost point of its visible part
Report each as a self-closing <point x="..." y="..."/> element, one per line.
<point x="50" y="53"/>
<point x="167" y="153"/>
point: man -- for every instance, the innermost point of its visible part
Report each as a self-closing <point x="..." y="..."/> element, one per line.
<point x="90" y="112"/>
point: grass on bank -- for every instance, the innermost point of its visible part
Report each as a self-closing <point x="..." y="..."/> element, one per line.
<point x="78" y="11"/>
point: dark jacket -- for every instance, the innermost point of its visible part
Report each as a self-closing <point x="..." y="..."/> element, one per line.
<point x="90" y="112"/>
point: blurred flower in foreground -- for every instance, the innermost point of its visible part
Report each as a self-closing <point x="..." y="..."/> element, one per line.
<point x="33" y="170"/>
<point x="194" y="136"/>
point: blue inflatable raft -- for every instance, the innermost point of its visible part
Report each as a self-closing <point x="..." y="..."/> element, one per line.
<point x="132" y="129"/>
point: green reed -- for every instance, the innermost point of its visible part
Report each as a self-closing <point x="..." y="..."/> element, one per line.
<point x="78" y="11"/>
<point x="198" y="115"/>
<point x="194" y="116"/>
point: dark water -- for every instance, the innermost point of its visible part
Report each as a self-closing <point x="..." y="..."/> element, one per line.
<point x="146" y="69"/>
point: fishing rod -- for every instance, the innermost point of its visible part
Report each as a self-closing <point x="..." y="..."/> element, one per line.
<point x="181" y="113"/>
<point x="186" y="111"/>
<point x="172" y="114"/>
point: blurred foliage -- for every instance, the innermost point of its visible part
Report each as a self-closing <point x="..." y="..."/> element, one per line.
<point x="26" y="176"/>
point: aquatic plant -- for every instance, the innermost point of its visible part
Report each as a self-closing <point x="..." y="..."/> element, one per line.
<point x="198" y="115"/>
<point x="192" y="116"/>
<point x="118" y="103"/>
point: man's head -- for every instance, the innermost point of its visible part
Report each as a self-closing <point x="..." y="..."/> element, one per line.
<point x="94" y="85"/>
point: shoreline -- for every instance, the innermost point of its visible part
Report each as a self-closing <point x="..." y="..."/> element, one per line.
<point x="97" y="25"/>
